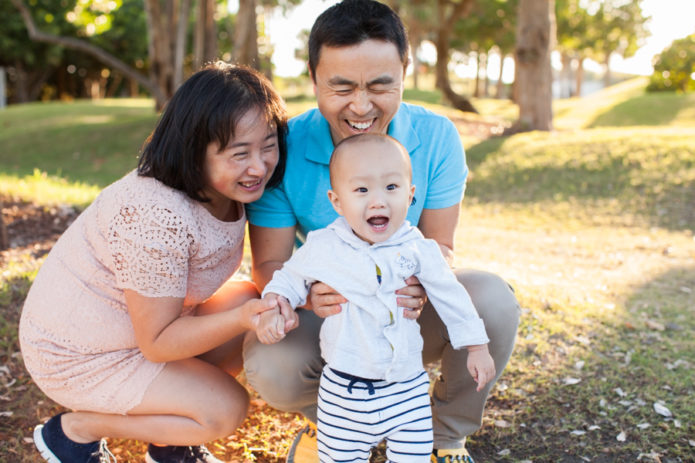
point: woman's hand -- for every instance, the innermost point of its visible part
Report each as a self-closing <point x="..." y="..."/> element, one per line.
<point x="414" y="300"/>
<point x="324" y="300"/>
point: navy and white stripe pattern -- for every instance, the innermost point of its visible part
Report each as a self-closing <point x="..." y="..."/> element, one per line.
<point x="351" y="423"/>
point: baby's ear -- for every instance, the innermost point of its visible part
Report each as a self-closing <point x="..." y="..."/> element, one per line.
<point x="335" y="202"/>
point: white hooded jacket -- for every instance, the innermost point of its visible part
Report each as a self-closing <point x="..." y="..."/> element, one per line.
<point x="370" y="337"/>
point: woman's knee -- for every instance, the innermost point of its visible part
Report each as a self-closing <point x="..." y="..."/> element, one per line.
<point x="223" y="415"/>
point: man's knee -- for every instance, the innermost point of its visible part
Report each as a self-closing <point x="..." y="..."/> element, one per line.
<point x="281" y="374"/>
<point x="491" y="295"/>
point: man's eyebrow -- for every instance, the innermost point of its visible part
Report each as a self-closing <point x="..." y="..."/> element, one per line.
<point x="338" y="80"/>
<point x="381" y="80"/>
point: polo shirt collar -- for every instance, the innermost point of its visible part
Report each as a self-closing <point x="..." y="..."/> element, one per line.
<point x="321" y="146"/>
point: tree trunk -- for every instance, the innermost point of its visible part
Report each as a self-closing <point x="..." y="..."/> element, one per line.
<point x="566" y="76"/>
<point x="205" y="37"/>
<point x="535" y="41"/>
<point x="246" y="35"/>
<point x="607" y="75"/>
<point x="476" y="81"/>
<point x="446" y="24"/>
<point x="157" y="92"/>
<point x="580" y="77"/>
<point x="500" y="83"/>
<point x="486" y="79"/>
<point x="4" y="240"/>
<point x="180" y="42"/>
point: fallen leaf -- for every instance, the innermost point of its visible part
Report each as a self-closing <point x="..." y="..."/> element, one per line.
<point x="621" y="437"/>
<point x="662" y="410"/>
<point x="502" y="424"/>
<point x="28" y="440"/>
<point x="620" y="392"/>
<point x="579" y="365"/>
<point x="643" y="425"/>
<point x="578" y="432"/>
<point x="651" y="324"/>
<point x="504" y="452"/>
<point x="594" y="427"/>
<point x="8" y="413"/>
<point x="569" y="381"/>
<point x="691" y="442"/>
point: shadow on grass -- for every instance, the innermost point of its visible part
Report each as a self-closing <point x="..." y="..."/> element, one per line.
<point x="588" y="394"/>
<point x="611" y="176"/>
<point x="647" y="109"/>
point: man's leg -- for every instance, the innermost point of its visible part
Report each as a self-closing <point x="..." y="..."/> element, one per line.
<point x="286" y="374"/>
<point x="457" y="407"/>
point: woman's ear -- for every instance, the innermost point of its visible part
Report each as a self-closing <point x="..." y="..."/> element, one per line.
<point x="335" y="201"/>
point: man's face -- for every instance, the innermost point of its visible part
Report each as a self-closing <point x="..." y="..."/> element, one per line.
<point x="359" y="88"/>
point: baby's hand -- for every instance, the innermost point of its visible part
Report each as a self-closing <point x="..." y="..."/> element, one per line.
<point x="480" y="365"/>
<point x="271" y="326"/>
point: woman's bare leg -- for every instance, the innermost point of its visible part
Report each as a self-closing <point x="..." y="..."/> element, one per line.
<point x="191" y="401"/>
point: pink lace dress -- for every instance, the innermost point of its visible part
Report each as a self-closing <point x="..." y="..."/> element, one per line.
<point x="76" y="336"/>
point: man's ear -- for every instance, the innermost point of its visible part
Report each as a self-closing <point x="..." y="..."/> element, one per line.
<point x="335" y="201"/>
<point x="312" y="77"/>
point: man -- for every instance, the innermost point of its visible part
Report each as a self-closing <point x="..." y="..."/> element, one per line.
<point x="358" y="54"/>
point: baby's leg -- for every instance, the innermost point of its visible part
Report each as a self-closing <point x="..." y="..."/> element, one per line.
<point x="412" y="440"/>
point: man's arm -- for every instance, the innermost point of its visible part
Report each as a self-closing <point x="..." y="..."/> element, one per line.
<point x="440" y="225"/>
<point x="270" y="248"/>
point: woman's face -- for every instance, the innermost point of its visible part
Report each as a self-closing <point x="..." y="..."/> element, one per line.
<point x="241" y="170"/>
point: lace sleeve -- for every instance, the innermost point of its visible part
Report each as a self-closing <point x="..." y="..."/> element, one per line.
<point x="150" y="250"/>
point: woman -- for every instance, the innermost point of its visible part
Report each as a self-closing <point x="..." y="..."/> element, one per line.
<point x="131" y="321"/>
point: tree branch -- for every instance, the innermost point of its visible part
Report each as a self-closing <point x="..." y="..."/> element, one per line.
<point x="76" y="44"/>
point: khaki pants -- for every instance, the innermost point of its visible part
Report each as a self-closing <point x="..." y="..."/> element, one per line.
<point x="287" y="374"/>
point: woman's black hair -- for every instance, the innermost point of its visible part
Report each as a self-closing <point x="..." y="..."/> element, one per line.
<point x="351" y="22"/>
<point x="206" y="109"/>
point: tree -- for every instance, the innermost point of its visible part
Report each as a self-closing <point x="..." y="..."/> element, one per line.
<point x="674" y="68"/>
<point x="576" y="35"/>
<point x="622" y="29"/>
<point x="535" y="41"/>
<point x="29" y="64"/>
<point x="158" y="83"/>
<point x="448" y="12"/>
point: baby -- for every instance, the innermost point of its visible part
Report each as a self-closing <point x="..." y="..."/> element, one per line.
<point x="374" y="385"/>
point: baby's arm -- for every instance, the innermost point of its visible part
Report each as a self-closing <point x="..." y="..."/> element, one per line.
<point x="480" y="365"/>
<point x="273" y="324"/>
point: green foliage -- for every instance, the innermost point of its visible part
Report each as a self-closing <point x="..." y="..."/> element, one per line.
<point x="674" y="68"/>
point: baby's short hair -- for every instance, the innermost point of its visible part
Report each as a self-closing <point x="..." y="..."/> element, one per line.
<point x="366" y="138"/>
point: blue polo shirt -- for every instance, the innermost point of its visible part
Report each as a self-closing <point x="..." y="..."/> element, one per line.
<point x="439" y="170"/>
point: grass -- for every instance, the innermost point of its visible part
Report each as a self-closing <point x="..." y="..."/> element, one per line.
<point x="592" y="224"/>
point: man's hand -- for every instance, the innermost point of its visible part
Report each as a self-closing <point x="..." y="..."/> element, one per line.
<point x="324" y="300"/>
<point x="414" y="298"/>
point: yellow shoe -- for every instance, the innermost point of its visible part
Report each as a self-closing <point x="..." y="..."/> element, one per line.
<point x="459" y="455"/>
<point x="305" y="447"/>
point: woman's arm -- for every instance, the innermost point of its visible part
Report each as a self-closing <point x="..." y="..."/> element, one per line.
<point x="163" y="335"/>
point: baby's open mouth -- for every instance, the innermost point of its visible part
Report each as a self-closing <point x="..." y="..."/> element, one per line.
<point x="378" y="222"/>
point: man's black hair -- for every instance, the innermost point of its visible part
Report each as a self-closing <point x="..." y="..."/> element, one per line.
<point x="351" y="22"/>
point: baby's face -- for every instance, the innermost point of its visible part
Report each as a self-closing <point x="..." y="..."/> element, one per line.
<point x="372" y="189"/>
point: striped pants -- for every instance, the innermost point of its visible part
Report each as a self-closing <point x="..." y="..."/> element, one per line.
<point x="354" y="415"/>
